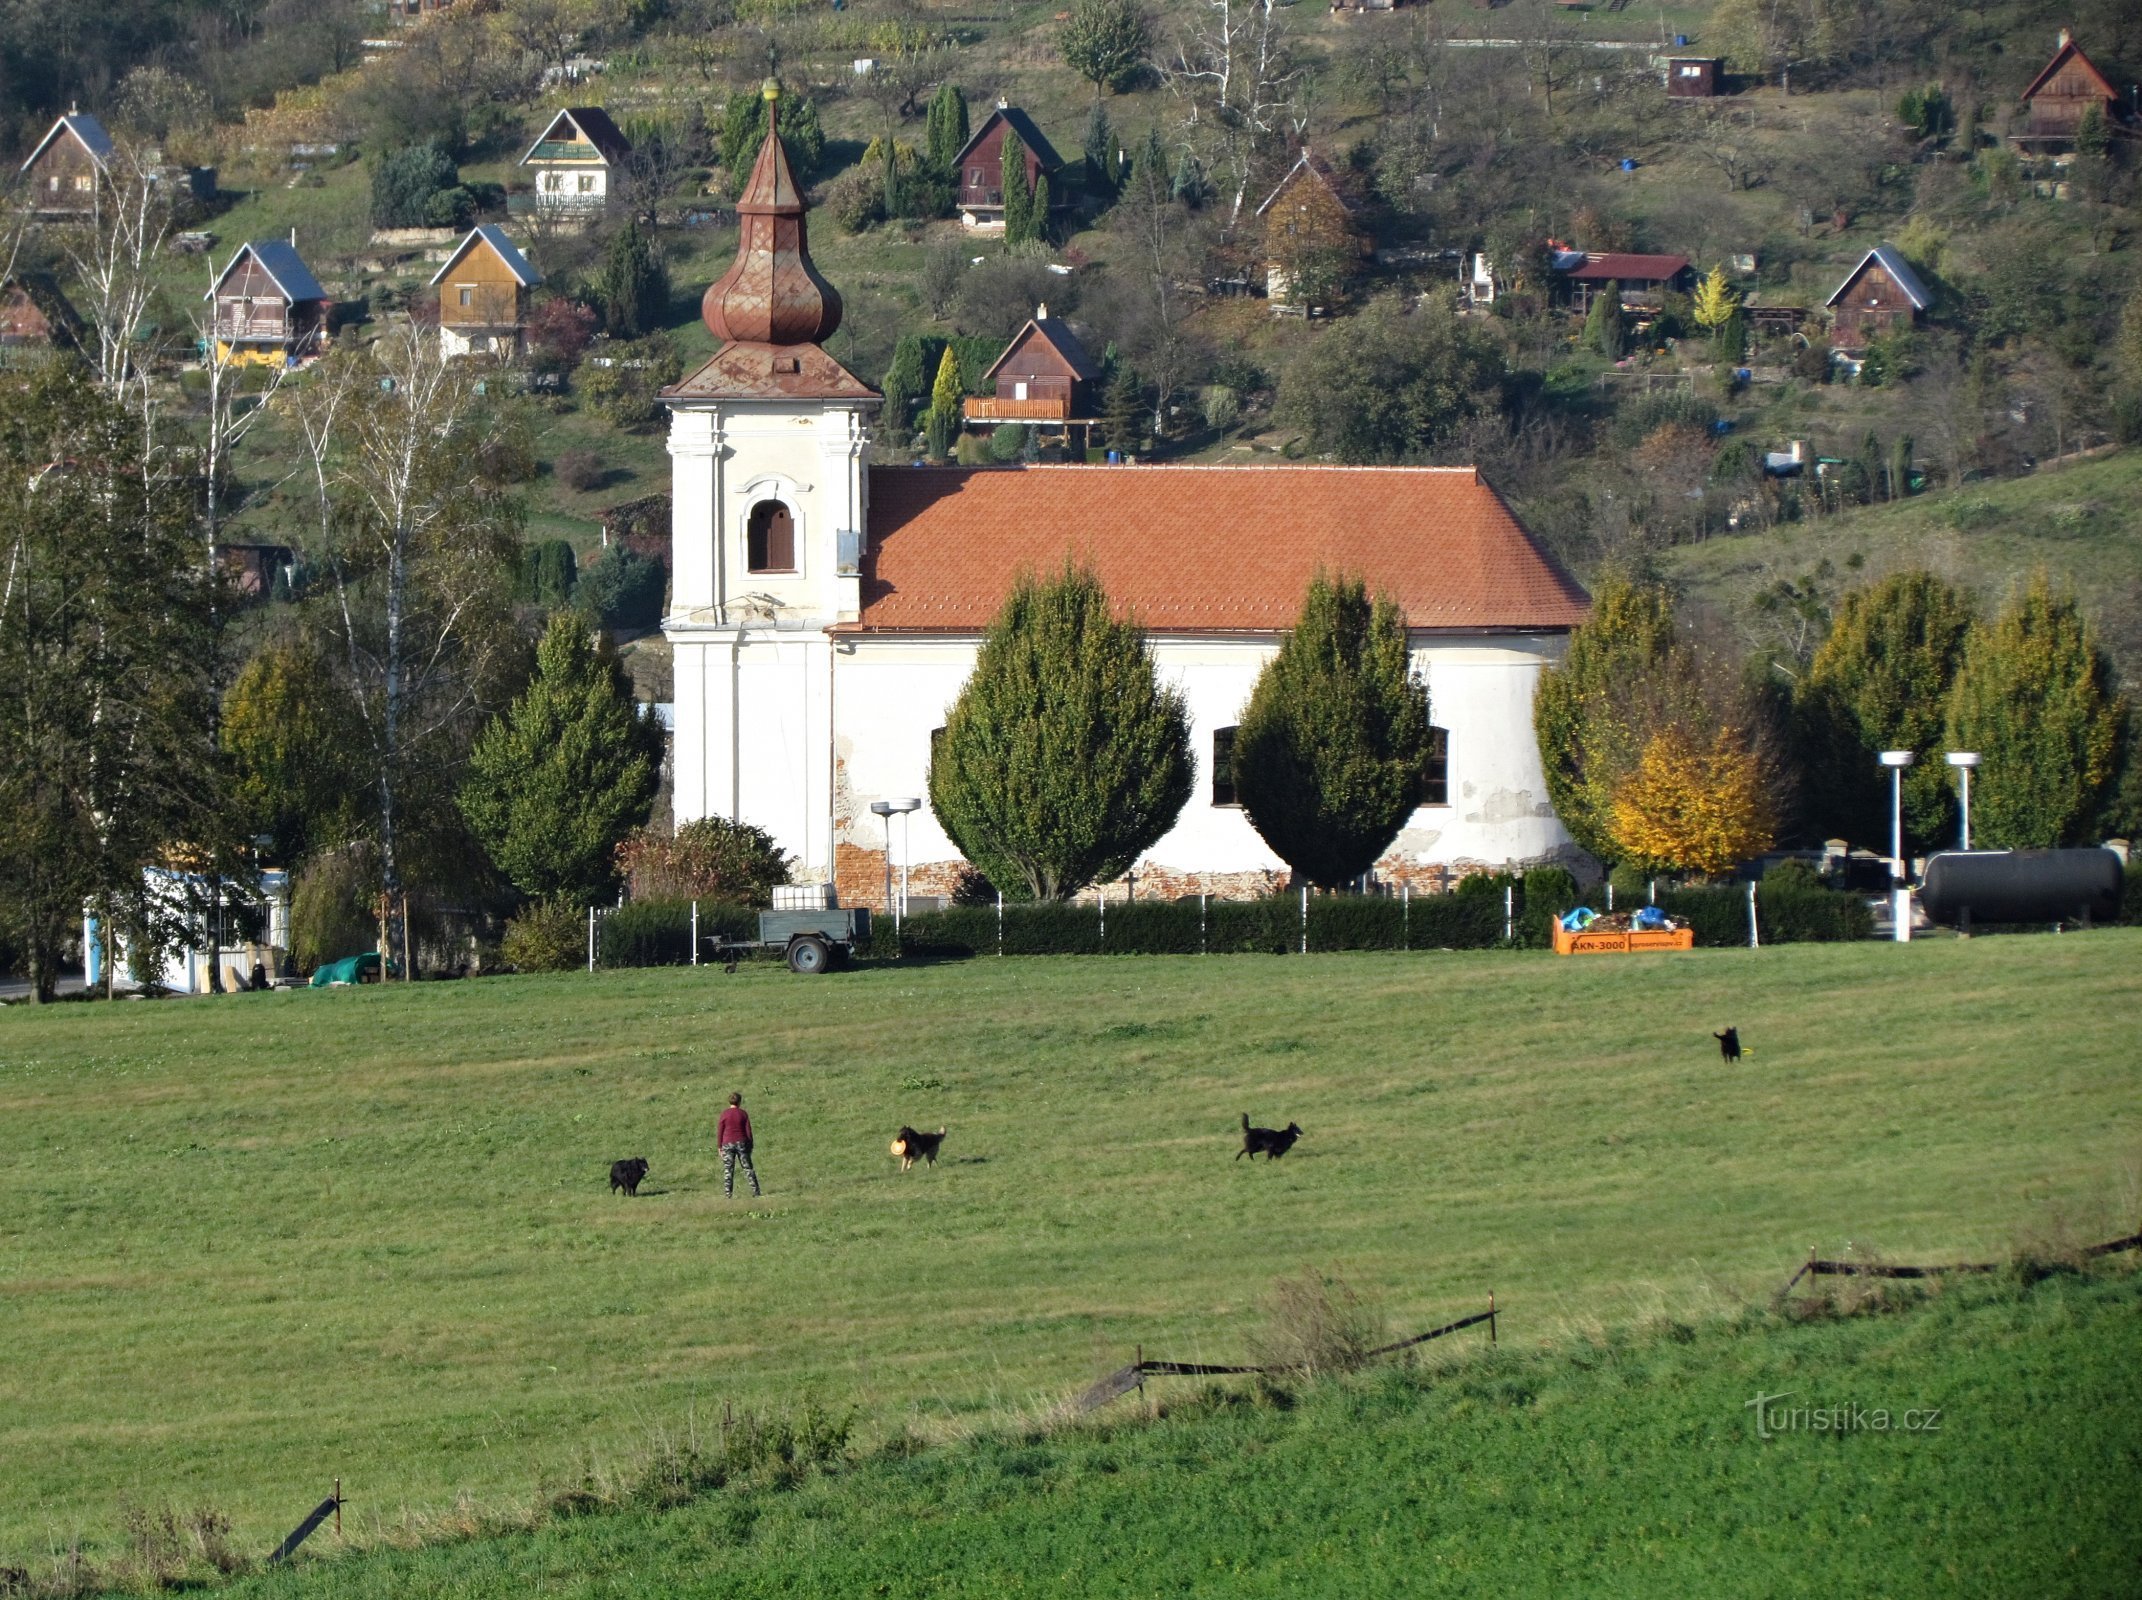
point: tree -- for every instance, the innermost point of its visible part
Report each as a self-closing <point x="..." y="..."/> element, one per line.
<point x="1330" y="749"/>
<point x="1717" y="310"/>
<point x="1602" y="323"/>
<point x="1585" y="711"/>
<point x="286" y="732"/>
<point x="945" y="127"/>
<point x="557" y="782"/>
<point x="710" y="859"/>
<point x="107" y="760"/>
<point x="1693" y="804"/>
<point x="1123" y="411"/>
<point x="1388" y="385"/>
<point x="1018" y="196"/>
<point x="1105" y="42"/>
<point x="1881" y="681"/>
<point x="743" y="130"/>
<point x="404" y="182"/>
<point x="633" y="285"/>
<point x="1037" y="215"/>
<point x="1099" y="149"/>
<point x="1064" y="757"/>
<point x="2035" y="698"/>
<point x="948" y="393"/>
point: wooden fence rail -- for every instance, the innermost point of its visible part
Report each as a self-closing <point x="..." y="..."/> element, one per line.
<point x="1124" y="1379"/>
<point x="1815" y="1267"/>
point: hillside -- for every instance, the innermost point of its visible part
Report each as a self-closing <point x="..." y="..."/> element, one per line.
<point x="250" y="1245"/>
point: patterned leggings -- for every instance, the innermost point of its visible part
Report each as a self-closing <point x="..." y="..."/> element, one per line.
<point x="731" y="1154"/>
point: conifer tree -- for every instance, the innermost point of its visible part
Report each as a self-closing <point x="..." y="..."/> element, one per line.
<point x="1602" y="324"/>
<point x="1123" y="411"/>
<point x="1064" y="757"/>
<point x="1100" y="153"/>
<point x="1330" y="750"/>
<point x="558" y="781"/>
<point x="1018" y="197"/>
<point x="633" y="285"/>
<point x="2035" y="699"/>
<point x="949" y="390"/>
<point x="1882" y="681"/>
<point x="1037" y="217"/>
<point x="945" y="127"/>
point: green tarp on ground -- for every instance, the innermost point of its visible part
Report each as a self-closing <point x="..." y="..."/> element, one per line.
<point x="350" y="969"/>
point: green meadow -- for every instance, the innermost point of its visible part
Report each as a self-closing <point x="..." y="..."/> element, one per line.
<point x="252" y="1244"/>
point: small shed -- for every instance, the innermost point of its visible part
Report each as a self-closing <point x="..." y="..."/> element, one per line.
<point x="1044" y="376"/>
<point x="35" y="319"/>
<point x="1878" y="296"/>
<point x="575" y="159"/>
<point x="1311" y="210"/>
<point x="483" y="294"/>
<point x="980" y="165"/>
<point x="269" y="308"/>
<point x="2061" y="96"/>
<point x="61" y="173"/>
<point x="1645" y="279"/>
<point x="1694" y="77"/>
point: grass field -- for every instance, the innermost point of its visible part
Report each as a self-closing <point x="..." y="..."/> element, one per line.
<point x="249" y="1245"/>
<point x="1629" y="1466"/>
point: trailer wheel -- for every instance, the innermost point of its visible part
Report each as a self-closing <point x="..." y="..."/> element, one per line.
<point x="809" y="954"/>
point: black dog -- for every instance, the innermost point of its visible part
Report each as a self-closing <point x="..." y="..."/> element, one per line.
<point x="1271" y="1143"/>
<point x="911" y="1146"/>
<point x="626" y="1175"/>
<point x="1728" y="1045"/>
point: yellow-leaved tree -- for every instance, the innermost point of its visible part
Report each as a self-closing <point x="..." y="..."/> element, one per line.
<point x="1694" y="805"/>
<point x="1717" y="309"/>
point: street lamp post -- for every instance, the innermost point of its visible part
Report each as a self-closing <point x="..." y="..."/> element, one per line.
<point x="1899" y="873"/>
<point x="1963" y="761"/>
<point x="888" y="809"/>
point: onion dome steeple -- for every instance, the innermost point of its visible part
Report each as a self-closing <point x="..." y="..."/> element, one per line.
<point x="771" y="294"/>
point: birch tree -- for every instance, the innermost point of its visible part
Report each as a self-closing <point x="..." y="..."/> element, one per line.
<point x="1234" y="68"/>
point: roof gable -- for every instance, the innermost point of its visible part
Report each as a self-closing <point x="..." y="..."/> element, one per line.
<point x="2070" y="51"/>
<point x="592" y="123"/>
<point x="1021" y="124"/>
<point x="1310" y="167"/>
<point x="1898" y="269"/>
<point x="1207" y="549"/>
<point x="1057" y="335"/>
<point x="491" y="234"/>
<point x="84" y="129"/>
<point x="280" y="261"/>
<point x="42" y="293"/>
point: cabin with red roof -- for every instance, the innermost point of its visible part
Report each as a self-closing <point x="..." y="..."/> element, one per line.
<point x="1645" y="280"/>
<point x="824" y="612"/>
<point x="2061" y="97"/>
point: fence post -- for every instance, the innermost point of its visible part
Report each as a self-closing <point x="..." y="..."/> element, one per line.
<point x="1305" y="919"/>
<point x="1755" y="938"/>
<point x="591" y="938"/>
<point x="1405" y="915"/>
<point x="338" y="1509"/>
<point x="1654" y="891"/>
<point x="1491" y="1339"/>
<point x="1100" y="893"/>
<point x="695" y="933"/>
<point x="1000" y="922"/>
<point x="1509" y="913"/>
<point x="1201" y="949"/>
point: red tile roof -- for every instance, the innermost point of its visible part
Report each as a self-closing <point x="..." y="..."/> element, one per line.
<point x="1622" y="266"/>
<point x="1206" y="549"/>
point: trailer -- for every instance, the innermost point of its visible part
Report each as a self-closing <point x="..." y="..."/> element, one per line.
<point x="810" y="940"/>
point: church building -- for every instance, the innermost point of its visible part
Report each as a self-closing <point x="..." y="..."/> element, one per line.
<point x="824" y="612"/>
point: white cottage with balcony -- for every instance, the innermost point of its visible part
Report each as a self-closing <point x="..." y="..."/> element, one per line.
<point x="824" y="613"/>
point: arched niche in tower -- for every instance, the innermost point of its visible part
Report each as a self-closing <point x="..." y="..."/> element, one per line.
<point x="770" y="536"/>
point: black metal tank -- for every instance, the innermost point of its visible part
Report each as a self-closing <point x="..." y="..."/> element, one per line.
<point x="2023" y="885"/>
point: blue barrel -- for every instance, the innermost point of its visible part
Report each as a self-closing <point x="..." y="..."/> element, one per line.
<point x="2023" y="885"/>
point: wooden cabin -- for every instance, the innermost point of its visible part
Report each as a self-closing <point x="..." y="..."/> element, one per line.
<point x="483" y="294"/>
<point x="1645" y="280"/>
<point x="1879" y="296"/>
<point x="269" y="308"/>
<point x="576" y="161"/>
<point x="1694" y="77"/>
<point x="60" y="177"/>
<point x="1044" y="377"/>
<point x="2061" y="96"/>
<point x="1311" y="209"/>
<point x="35" y="319"/>
<point x="980" y="165"/>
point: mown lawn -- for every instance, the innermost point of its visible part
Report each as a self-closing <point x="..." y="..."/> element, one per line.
<point x="250" y="1244"/>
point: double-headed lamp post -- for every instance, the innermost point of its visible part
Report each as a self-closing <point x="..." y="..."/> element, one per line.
<point x="888" y="809"/>
<point x="1900" y="888"/>
<point x="1963" y="761"/>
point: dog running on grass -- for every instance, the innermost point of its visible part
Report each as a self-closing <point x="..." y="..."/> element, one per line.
<point x="626" y="1175"/>
<point x="1271" y="1143"/>
<point x="911" y="1146"/>
<point x="1728" y="1046"/>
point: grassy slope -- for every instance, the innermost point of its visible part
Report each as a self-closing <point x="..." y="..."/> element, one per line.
<point x="247" y="1245"/>
<point x="2082" y="523"/>
<point x="1630" y="1467"/>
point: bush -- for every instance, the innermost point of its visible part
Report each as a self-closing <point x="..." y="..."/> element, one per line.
<point x="855" y="199"/>
<point x="404" y="182"/>
<point x="548" y="936"/>
<point x="658" y="933"/>
<point x="581" y="470"/>
<point x="711" y="859"/>
<point x="548" y="572"/>
<point x="1787" y="911"/>
<point x="1220" y="927"/>
<point x="1007" y="443"/>
<point x="623" y="589"/>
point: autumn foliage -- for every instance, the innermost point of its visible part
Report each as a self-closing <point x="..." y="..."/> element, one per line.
<point x="1692" y="804"/>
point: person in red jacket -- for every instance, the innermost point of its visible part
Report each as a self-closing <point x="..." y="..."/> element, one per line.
<point x="733" y="1134"/>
